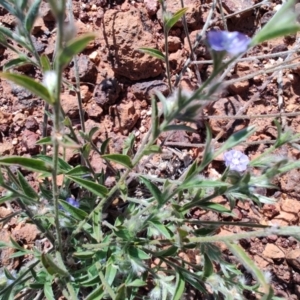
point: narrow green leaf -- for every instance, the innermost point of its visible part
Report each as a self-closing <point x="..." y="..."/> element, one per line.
<point x="8" y="197"/>
<point x="137" y="283"/>
<point x="13" y="36"/>
<point x="179" y="127"/>
<point x="154" y="190"/>
<point x="121" y="159"/>
<point x="153" y="52"/>
<point x="27" y="163"/>
<point x="97" y="231"/>
<point x="62" y="164"/>
<point x="215" y="206"/>
<point x="174" y="19"/>
<point x="196" y="183"/>
<point x="95" y="188"/>
<point x="78" y="171"/>
<point x="74" y="47"/>
<point x="27" y="188"/>
<point x="171" y="251"/>
<point x="121" y="293"/>
<point x="110" y="272"/>
<point x="48" y="292"/>
<point x="45" y="141"/>
<point x="84" y="254"/>
<point x="96" y="294"/>
<point x="75" y="212"/>
<point x="283" y="23"/>
<point x="17" y="62"/>
<point x="137" y="253"/>
<point x="32" y="15"/>
<point x="104" y="146"/>
<point x="123" y="233"/>
<point x="30" y="84"/>
<point x="208" y="152"/>
<point x="16" y="245"/>
<point x="152" y="149"/>
<point x="235" y="139"/>
<point x="208" y="268"/>
<point x="45" y="62"/>
<point x="161" y="228"/>
<point x="92" y="132"/>
<point x="51" y="267"/>
<point x="154" y="119"/>
<point x="8" y="7"/>
<point x="248" y="263"/>
<point x="128" y="144"/>
<point x="179" y="286"/>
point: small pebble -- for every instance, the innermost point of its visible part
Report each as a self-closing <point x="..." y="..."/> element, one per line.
<point x="15" y="141"/>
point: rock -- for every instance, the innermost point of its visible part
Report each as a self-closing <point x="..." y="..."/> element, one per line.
<point x="261" y="262"/>
<point x="29" y="140"/>
<point x="239" y="87"/>
<point x="84" y="28"/>
<point x="174" y="44"/>
<point x="293" y="259"/>
<point x="273" y="252"/>
<point x="93" y="110"/>
<point x="290" y="206"/>
<point x="85" y="93"/>
<point x="69" y="104"/>
<point x="126" y="32"/>
<point x="86" y="69"/>
<point x="97" y="162"/>
<point x="116" y="143"/>
<point x="193" y="14"/>
<point x="6" y="148"/>
<point x="226" y="106"/>
<point x="38" y="26"/>
<point x="107" y="92"/>
<point x="46" y="13"/>
<point x="270" y="211"/>
<point x="31" y="124"/>
<point x="146" y="89"/>
<point x="284" y="219"/>
<point x="177" y="59"/>
<point x="19" y="119"/>
<point x="94" y="57"/>
<point x="6" y="252"/>
<point x="151" y="6"/>
<point x="289" y="183"/>
<point x="26" y="232"/>
<point x="232" y="6"/>
<point x="125" y="117"/>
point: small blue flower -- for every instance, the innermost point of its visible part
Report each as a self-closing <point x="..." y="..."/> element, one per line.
<point x="232" y="42"/>
<point x="236" y="160"/>
<point x="73" y="202"/>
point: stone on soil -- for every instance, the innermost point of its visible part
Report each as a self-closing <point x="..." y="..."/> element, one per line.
<point x="126" y="32"/>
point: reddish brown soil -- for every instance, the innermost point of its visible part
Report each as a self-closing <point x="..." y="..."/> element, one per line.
<point x="117" y="82"/>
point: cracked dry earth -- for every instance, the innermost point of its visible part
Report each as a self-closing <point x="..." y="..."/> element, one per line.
<point x="117" y="82"/>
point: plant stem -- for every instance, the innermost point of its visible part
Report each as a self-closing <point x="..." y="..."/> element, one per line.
<point x="166" y="46"/>
<point x="57" y="135"/>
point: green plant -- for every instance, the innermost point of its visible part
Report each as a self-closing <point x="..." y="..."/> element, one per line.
<point x="95" y="257"/>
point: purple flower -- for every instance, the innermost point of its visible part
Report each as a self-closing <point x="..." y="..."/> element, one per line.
<point x="73" y="202"/>
<point x="231" y="42"/>
<point x="236" y="160"/>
